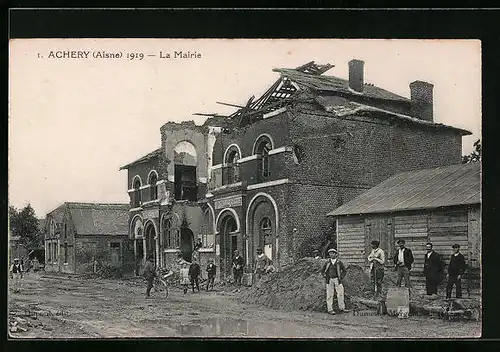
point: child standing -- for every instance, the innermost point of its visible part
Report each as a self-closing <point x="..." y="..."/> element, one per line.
<point x="184" y="275"/>
<point x="211" y="271"/>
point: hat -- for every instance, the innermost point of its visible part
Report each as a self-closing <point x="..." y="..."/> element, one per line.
<point x="401" y="241"/>
<point x="16" y="259"/>
<point x="332" y="250"/>
<point x="316" y="251"/>
<point x="456" y="245"/>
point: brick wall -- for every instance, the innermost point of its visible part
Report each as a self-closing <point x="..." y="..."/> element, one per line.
<point x="311" y="203"/>
<point x="245" y="137"/>
<point x="364" y="151"/>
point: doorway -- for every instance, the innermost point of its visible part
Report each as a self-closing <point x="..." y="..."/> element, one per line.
<point x="229" y="243"/>
<point x="151" y="242"/>
<point x="186" y="243"/>
<point x="139" y="256"/>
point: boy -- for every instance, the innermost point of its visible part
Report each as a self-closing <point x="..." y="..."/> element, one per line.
<point x="184" y="275"/>
<point x="149" y="274"/>
<point x="211" y="271"/>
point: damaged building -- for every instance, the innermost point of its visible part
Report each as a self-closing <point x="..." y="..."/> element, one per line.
<point x="265" y="176"/>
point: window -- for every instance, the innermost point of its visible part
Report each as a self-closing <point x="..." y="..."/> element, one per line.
<point x="262" y="148"/>
<point x="231" y="168"/>
<point x="153" y="178"/>
<point x="137" y="193"/>
<point x="52" y="228"/>
<point x="207" y="236"/>
<point x="186" y="187"/>
<point x="266" y="232"/>
<point x="170" y="238"/>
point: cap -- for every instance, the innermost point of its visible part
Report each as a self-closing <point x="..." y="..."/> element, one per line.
<point x="456" y="245"/>
<point x="332" y="250"/>
<point x="16" y="259"/>
<point x="401" y="241"/>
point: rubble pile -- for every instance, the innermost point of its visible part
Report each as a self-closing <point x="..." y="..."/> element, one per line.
<point x="20" y="325"/>
<point x="302" y="287"/>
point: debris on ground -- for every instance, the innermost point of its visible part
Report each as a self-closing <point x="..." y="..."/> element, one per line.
<point x="302" y="287"/>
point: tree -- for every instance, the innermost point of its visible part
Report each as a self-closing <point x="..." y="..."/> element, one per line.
<point x="24" y="224"/>
<point x="475" y="155"/>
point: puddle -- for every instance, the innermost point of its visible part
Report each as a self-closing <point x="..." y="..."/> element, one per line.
<point x="230" y="327"/>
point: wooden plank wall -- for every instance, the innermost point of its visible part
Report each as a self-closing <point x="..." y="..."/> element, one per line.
<point x="351" y="240"/>
<point x="413" y="229"/>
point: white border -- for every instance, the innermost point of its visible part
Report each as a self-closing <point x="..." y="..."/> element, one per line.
<point x="262" y="135"/>
<point x="268" y="184"/>
<point x="231" y="210"/>
<point x="133" y="181"/>
<point x="149" y="174"/>
<point x="227" y="149"/>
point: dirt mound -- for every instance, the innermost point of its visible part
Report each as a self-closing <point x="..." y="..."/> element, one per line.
<point x="302" y="287"/>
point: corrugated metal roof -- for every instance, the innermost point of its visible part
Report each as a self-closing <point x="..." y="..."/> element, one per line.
<point x="99" y="219"/>
<point x="424" y="189"/>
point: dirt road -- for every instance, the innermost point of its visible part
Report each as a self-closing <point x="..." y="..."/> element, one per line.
<point x="73" y="307"/>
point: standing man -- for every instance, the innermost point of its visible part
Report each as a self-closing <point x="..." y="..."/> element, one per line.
<point x="238" y="264"/>
<point x="377" y="262"/>
<point x="403" y="259"/>
<point x="433" y="268"/>
<point x="149" y="274"/>
<point x="194" y="274"/>
<point x="211" y="271"/>
<point x="262" y="263"/>
<point x="334" y="272"/>
<point x="16" y="273"/>
<point x="456" y="269"/>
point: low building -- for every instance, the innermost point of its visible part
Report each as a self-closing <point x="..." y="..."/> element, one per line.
<point x="440" y="205"/>
<point x="80" y="237"/>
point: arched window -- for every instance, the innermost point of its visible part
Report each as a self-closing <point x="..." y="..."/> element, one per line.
<point x="231" y="168"/>
<point x="137" y="193"/>
<point x="262" y="148"/>
<point x="153" y="188"/>
<point x="265" y="232"/>
<point x="170" y="235"/>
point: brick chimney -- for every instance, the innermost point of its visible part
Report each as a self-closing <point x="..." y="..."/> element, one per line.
<point x="422" y="100"/>
<point x="356" y="75"/>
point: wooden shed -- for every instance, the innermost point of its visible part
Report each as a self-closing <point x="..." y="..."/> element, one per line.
<point x="441" y="205"/>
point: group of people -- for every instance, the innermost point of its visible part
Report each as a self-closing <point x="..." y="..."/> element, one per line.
<point x="190" y="272"/>
<point x="334" y="271"/>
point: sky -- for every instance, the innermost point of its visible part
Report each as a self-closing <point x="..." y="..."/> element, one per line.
<point x="74" y="121"/>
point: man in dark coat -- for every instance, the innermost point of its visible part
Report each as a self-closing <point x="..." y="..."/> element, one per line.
<point x="238" y="264"/>
<point x="403" y="259"/>
<point x="211" y="271"/>
<point x="456" y="269"/>
<point x="194" y="274"/>
<point x="149" y="274"/>
<point x="433" y="267"/>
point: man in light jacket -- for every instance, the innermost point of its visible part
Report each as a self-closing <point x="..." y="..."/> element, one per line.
<point x="377" y="261"/>
<point x="334" y="272"/>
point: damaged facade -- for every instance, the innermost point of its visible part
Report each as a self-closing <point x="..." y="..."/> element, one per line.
<point x="266" y="175"/>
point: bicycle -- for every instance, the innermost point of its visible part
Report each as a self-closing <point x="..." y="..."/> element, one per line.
<point x="160" y="283"/>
